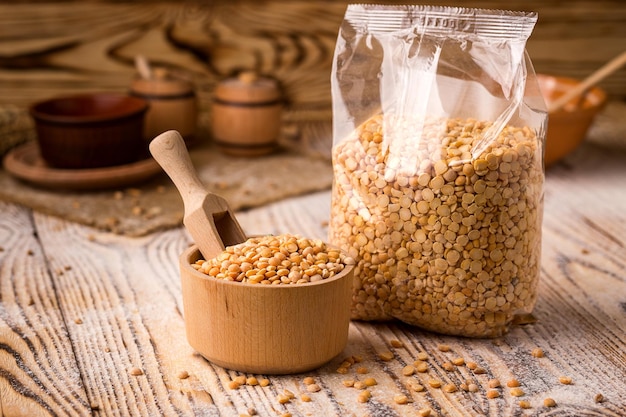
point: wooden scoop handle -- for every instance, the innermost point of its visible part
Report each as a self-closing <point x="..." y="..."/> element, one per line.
<point x="599" y="75"/>
<point x="169" y="150"/>
<point x="208" y="218"/>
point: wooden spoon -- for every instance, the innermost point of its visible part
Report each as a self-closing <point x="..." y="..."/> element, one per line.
<point x="606" y="70"/>
<point x="208" y="218"/>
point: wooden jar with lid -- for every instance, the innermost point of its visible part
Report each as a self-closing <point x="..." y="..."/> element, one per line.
<point x="173" y="104"/>
<point x="246" y="115"/>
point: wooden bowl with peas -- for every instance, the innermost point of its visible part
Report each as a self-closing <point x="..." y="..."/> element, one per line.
<point x="270" y="305"/>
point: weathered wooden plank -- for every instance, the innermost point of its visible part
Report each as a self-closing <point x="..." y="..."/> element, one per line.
<point x="38" y="369"/>
<point x="121" y="302"/>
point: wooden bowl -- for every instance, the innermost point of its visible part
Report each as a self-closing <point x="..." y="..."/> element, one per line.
<point x="90" y="130"/>
<point x="568" y="126"/>
<point x="277" y="329"/>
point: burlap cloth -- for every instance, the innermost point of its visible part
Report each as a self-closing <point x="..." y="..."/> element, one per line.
<point x="156" y="204"/>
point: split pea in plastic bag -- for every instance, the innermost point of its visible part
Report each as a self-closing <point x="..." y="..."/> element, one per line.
<point x="438" y="132"/>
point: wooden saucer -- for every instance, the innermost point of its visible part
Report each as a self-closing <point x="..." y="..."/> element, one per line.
<point x="25" y="163"/>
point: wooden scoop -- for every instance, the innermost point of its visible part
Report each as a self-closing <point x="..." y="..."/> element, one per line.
<point x="208" y="218"/>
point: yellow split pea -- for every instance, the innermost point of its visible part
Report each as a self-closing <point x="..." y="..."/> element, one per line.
<point x="445" y="232"/>
<point x="274" y="260"/>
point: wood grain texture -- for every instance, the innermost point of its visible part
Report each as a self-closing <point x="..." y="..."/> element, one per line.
<point x="52" y="48"/>
<point x="91" y="322"/>
<point x="38" y="373"/>
<point x="100" y="292"/>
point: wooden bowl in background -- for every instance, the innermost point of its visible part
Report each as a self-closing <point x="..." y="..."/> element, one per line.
<point x="266" y="329"/>
<point x="90" y="130"/>
<point x="568" y="126"/>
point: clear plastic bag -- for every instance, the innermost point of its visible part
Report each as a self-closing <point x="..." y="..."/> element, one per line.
<point x="438" y="129"/>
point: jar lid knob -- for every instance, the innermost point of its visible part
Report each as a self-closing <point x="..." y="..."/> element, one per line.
<point x="248" y="77"/>
<point x="160" y="73"/>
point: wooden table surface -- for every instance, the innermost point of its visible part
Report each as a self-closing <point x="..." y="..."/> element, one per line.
<point x="91" y="323"/>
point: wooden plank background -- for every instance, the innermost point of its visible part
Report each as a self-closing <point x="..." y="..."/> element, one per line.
<point x="49" y="48"/>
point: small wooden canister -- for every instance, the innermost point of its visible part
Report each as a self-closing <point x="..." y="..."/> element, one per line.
<point x="173" y="105"/>
<point x="246" y="115"/>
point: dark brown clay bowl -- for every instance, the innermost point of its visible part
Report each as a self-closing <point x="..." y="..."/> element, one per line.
<point x="568" y="126"/>
<point x="90" y="130"/>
